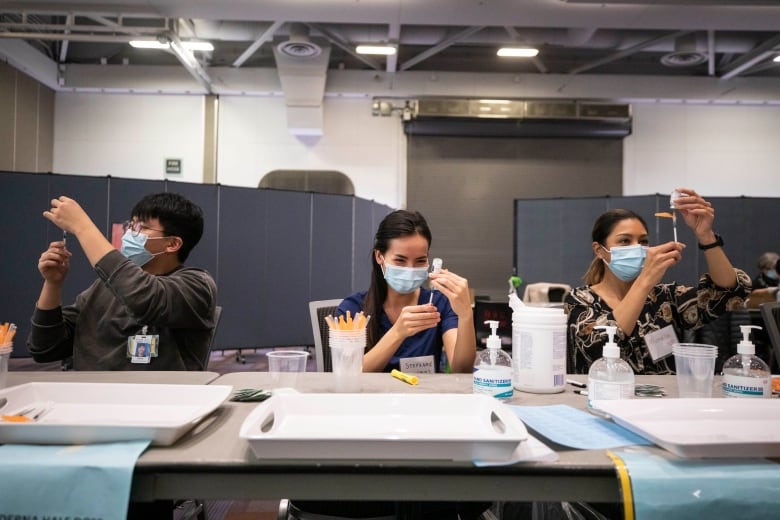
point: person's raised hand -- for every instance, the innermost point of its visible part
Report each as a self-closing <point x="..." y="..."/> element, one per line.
<point x="54" y="263"/>
<point x="697" y="213"/>
<point x="68" y="215"/>
<point x="455" y="288"/>
<point x="659" y="259"/>
<point x="416" y="318"/>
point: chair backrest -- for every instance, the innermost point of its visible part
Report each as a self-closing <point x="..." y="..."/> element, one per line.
<point x="217" y="316"/>
<point x="771" y="314"/>
<point x="319" y="329"/>
<point x="545" y="292"/>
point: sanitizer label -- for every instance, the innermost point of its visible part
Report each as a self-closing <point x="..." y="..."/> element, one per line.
<point x="496" y="382"/>
<point x="741" y="386"/>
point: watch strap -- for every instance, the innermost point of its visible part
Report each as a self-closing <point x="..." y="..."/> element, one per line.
<point x="718" y="243"/>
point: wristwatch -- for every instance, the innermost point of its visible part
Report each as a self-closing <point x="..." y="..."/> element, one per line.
<point x="718" y="243"/>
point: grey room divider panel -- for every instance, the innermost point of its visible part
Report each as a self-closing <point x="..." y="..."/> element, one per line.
<point x="241" y="268"/>
<point x="90" y="193"/>
<point x="270" y="251"/>
<point x="124" y="193"/>
<point x="207" y="197"/>
<point x="331" y="247"/>
<point x="287" y="224"/>
<point x="363" y="239"/>
<point x="547" y="230"/>
<point x="25" y="236"/>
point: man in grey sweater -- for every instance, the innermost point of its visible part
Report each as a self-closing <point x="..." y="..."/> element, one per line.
<point x="142" y="294"/>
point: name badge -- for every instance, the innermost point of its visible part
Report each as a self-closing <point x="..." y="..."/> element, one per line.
<point x="660" y="342"/>
<point x="418" y="365"/>
<point x="142" y="348"/>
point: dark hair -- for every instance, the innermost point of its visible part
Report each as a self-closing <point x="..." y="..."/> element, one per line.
<point x="178" y="216"/>
<point x="601" y="230"/>
<point x="400" y="223"/>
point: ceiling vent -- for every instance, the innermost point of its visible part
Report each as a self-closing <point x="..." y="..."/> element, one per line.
<point x="519" y="118"/>
<point x="686" y="53"/>
<point x="299" y="45"/>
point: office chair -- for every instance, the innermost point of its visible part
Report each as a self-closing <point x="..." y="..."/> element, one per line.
<point x="545" y="292"/>
<point x="319" y="328"/>
<point x="217" y="316"/>
<point x="771" y="314"/>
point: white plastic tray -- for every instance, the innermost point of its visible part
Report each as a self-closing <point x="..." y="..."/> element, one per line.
<point x="80" y="413"/>
<point x="383" y="426"/>
<point x="703" y="428"/>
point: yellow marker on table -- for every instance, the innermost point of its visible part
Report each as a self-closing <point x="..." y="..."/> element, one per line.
<point x="412" y="380"/>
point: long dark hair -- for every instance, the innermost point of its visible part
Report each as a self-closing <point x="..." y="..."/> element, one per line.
<point x="399" y="223"/>
<point x="601" y="230"/>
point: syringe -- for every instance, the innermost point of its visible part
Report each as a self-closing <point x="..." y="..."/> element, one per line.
<point x="435" y="268"/>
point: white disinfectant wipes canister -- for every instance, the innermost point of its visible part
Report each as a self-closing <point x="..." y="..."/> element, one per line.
<point x="539" y="349"/>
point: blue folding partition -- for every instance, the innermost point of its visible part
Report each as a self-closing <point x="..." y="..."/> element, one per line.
<point x="270" y="251"/>
<point x="552" y="237"/>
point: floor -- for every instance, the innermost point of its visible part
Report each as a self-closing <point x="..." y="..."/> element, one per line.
<point x="246" y="360"/>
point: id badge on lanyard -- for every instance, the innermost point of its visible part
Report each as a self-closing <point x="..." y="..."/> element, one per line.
<point x="141" y="348"/>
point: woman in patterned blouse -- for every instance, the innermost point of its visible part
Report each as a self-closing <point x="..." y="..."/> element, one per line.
<point x="623" y="288"/>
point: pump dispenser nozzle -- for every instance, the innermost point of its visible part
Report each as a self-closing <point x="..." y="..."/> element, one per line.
<point x="611" y="350"/>
<point x="746" y="346"/>
<point x="493" y="340"/>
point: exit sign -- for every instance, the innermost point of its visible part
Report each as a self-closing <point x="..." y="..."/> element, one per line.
<point x="172" y="165"/>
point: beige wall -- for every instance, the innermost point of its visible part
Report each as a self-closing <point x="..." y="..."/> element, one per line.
<point x="26" y="122"/>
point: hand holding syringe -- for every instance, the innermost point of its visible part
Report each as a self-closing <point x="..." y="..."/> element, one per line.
<point x="435" y="268"/>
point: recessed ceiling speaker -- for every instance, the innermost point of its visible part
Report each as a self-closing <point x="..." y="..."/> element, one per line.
<point x="299" y="45"/>
<point x="686" y="53"/>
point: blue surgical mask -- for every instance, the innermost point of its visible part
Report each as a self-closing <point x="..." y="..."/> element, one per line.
<point x="627" y="261"/>
<point x="771" y="274"/>
<point x="133" y="247"/>
<point x="405" y="279"/>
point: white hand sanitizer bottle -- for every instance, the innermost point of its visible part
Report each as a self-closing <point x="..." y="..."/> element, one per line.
<point x="493" y="368"/>
<point x="610" y="377"/>
<point x="745" y="374"/>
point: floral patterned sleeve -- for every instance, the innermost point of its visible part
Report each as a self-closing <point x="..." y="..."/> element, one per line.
<point x="680" y="306"/>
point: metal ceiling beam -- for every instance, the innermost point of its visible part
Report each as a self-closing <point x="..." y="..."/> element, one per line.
<point x="190" y="63"/>
<point x="393" y="36"/>
<point x="710" y="53"/>
<point x="78" y="10"/>
<point x="265" y="36"/>
<point x="342" y="44"/>
<point x="95" y="38"/>
<point x="627" y="52"/>
<point x="23" y="56"/>
<point x="65" y="43"/>
<point x="440" y="46"/>
<point x="78" y="28"/>
<point x="747" y="60"/>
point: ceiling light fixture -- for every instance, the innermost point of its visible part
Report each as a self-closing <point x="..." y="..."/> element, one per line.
<point x="156" y="44"/>
<point x="198" y="46"/>
<point x="149" y="44"/>
<point x="777" y="59"/>
<point x="517" y="52"/>
<point x="384" y="50"/>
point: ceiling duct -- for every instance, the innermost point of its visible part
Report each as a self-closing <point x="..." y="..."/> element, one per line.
<point x="686" y="53"/>
<point x="519" y="118"/>
<point x="302" y="64"/>
<point x="299" y="45"/>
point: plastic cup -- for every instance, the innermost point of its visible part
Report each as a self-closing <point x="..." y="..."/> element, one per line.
<point x="695" y="368"/>
<point x="5" y="353"/>
<point x="285" y="365"/>
<point x="346" y="354"/>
